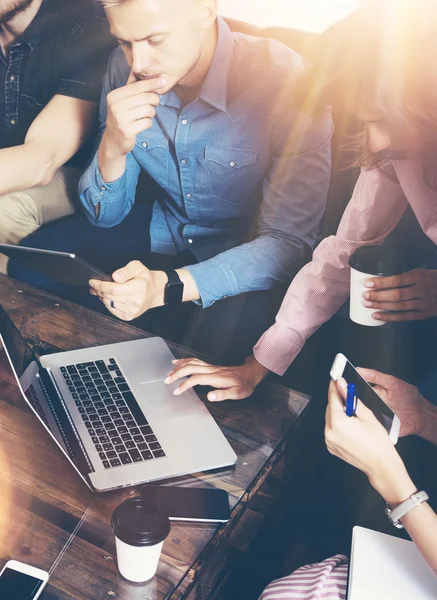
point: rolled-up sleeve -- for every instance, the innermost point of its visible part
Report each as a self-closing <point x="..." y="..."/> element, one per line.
<point x="294" y="199"/>
<point x="115" y="198"/>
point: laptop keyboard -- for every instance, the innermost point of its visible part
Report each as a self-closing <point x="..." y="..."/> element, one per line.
<point x="116" y="424"/>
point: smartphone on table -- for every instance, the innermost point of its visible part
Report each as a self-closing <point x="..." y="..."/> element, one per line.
<point x="343" y="368"/>
<point x="206" y="505"/>
<point x="21" y="582"/>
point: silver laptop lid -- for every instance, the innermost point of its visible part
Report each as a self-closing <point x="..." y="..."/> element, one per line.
<point x="40" y="394"/>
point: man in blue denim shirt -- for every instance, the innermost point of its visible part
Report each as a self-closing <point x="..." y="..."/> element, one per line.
<point x="215" y="128"/>
<point x="241" y="176"/>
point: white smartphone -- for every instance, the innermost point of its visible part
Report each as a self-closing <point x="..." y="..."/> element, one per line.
<point x="21" y="581"/>
<point x="341" y="367"/>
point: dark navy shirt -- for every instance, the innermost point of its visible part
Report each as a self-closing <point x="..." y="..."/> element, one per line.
<point x="63" y="51"/>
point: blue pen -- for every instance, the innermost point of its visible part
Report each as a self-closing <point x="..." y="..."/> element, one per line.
<point x="351" y="400"/>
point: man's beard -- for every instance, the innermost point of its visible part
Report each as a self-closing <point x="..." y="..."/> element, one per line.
<point x="14" y="9"/>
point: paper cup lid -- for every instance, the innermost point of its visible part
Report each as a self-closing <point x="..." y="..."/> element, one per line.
<point x="376" y="260"/>
<point x="137" y="522"/>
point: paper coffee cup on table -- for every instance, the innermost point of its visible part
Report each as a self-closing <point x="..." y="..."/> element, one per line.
<point x="366" y="263"/>
<point x="140" y="530"/>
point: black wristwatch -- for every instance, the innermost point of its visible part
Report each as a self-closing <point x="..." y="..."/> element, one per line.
<point x="174" y="289"/>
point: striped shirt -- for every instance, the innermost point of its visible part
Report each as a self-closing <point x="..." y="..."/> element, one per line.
<point x="323" y="581"/>
<point x="321" y="287"/>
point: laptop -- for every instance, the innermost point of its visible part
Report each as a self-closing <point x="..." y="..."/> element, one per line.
<point x="384" y="567"/>
<point x="110" y="413"/>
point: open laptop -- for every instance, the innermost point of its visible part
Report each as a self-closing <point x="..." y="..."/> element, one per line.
<point x="110" y="413"/>
<point x="384" y="567"/>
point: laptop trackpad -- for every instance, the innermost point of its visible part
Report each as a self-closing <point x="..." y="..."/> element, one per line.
<point x="160" y="397"/>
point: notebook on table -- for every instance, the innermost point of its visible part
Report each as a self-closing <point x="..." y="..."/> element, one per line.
<point x="383" y="567"/>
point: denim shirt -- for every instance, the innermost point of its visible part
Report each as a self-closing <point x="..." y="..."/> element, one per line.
<point x="244" y="177"/>
<point x="64" y="51"/>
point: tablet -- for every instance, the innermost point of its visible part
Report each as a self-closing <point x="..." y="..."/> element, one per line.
<point x="60" y="266"/>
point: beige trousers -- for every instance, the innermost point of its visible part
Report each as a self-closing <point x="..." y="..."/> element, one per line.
<point x="22" y="213"/>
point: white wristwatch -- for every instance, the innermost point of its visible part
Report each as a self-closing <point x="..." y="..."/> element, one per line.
<point x="396" y="514"/>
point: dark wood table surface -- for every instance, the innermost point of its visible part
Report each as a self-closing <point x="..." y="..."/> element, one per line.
<point x="44" y="504"/>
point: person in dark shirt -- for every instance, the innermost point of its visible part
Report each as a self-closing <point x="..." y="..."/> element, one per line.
<point x="53" y="54"/>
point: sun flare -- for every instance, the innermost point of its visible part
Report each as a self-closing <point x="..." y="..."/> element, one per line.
<point x="306" y="15"/>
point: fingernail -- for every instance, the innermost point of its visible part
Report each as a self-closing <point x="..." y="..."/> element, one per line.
<point x="167" y="380"/>
<point x="212" y="396"/>
<point x="342" y="383"/>
<point x="367" y="304"/>
<point x="175" y="360"/>
<point x="177" y="392"/>
<point x="118" y="276"/>
<point x="377" y="316"/>
<point x="369" y="284"/>
<point x="366" y="295"/>
<point x="162" y="82"/>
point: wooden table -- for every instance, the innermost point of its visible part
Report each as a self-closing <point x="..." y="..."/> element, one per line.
<point x="44" y="504"/>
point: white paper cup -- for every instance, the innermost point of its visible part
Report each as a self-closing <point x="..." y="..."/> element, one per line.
<point x="140" y="530"/>
<point x="369" y="262"/>
<point x="358" y="312"/>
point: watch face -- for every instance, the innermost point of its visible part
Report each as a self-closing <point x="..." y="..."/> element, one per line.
<point x="173" y="293"/>
<point x="397" y="524"/>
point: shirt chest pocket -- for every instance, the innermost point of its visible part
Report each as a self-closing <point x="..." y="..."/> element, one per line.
<point x="152" y="153"/>
<point x="232" y="172"/>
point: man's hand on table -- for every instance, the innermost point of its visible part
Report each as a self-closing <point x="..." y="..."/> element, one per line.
<point x="135" y="290"/>
<point x="410" y="296"/>
<point x="230" y="383"/>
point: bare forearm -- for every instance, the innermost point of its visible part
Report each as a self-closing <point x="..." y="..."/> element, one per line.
<point x="158" y="281"/>
<point x="191" y="293"/>
<point x="420" y="522"/>
<point x="23" y="167"/>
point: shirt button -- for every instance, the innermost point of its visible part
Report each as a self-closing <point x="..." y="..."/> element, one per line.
<point x="12" y="78"/>
<point x="145" y="144"/>
<point x="188" y="196"/>
<point x="190" y="241"/>
<point x="102" y="188"/>
<point x="184" y="122"/>
<point x="232" y="163"/>
<point x="183" y="161"/>
<point x="102" y="194"/>
<point x="12" y="121"/>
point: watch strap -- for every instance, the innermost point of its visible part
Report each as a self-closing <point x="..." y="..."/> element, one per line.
<point x="396" y="514"/>
<point x="174" y="288"/>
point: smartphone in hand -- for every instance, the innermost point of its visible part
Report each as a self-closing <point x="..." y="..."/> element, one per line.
<point x="341" y="367"/>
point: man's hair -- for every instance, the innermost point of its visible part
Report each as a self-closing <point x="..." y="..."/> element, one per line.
<point x="109" y="3"/>
<point x="383" y="55"/>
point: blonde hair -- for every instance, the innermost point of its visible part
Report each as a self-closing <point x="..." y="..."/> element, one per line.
<point x="383" y="56"/>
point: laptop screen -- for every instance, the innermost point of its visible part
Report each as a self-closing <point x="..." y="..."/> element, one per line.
<point x="27" y="369"/>
<point x="20" y="353"/>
